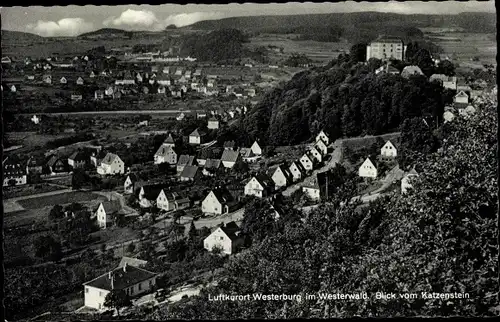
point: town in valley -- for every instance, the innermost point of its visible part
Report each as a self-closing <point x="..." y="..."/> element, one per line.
<point x="156" y="159"/>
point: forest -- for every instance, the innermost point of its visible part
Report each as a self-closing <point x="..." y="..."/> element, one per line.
<point x="439" y="237"/>
<point x="346" y="98"/>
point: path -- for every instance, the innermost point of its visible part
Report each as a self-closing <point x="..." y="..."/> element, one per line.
<point x="336" y="157"/>
<point x="117" y="112"/>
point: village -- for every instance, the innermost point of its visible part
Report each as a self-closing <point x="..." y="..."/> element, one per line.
<point x="173" y="177"/>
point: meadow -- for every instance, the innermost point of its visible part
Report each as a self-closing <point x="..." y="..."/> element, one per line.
<point x="60" y="199"/>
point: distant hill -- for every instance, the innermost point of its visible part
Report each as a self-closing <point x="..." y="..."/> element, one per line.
<point x="17" y="36"/>
<point x="106" y="32"/>
<point x="351" y="21"/>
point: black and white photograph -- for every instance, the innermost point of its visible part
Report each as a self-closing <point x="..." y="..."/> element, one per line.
<point x="250" y="161"/>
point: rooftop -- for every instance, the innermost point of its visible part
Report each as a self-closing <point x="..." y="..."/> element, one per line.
<point x="121" y="278"/>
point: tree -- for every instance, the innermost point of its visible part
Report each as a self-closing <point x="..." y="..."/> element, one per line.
<point x="258" y="219"/>
<point x="56" y="212"/>
<point x="117" y="299"/>
<point x="48" y="248"/>
<point x="446" y="67"/>
<point x="79" y="178"/>
<point x="192" y="231"/>
<point x="417" y="139"/>
<point x="358" y="52"/>
<point x="130" y="248"/>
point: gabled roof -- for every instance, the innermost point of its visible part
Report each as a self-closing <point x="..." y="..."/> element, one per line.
<point x="151" y="192"/>
<point x="185" y="159"/>
<point x="222" y="195"/>
<point x="111" y="206"/>
<point x="53" y="159"/>
<point x="212" y="164"/>
<point x="129" y="261"/>
<point x="462" y="94"/>
<point x="164" y="150"/>
<point x="411" y="70"/>
<point x="368" y="162"/>
<point x="189" y="171"/>
<point x="231" y="230"/>
<point x="394" y="143"/>
<point x="230" y="156"/>
<point x="170" y="139"/>
<point x="299" y="166"/>
<point x="122" y="278"/>
<point x="264" y="180"/>
<point x="78" y="156"/>
<point x="197" y="133"/>
<point x="246" y="152"/>
<point x="283" y="170"/>
<point x="109" y="158"/>
<point x="207" y="153"/>
<point x="133" y="177"/>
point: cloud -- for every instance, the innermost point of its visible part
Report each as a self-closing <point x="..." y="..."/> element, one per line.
<point x="63" y="27"/>
<point x="136" y="18"/>
<point x="184" y="19"/>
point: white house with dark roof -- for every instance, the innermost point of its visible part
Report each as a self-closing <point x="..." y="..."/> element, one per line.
<point x="389" y="150"/>
<point x="227" y="238"/>
<point x="106" y="211"/>
<point x="256" y="149"/>
<point x="129" y="184"/>
<point x="63" y="80"/>
<point x="367" y="169"/>
<point x="218" y="201"/>
<point x="307" y="162"/>
<point x="165" y="154"/>
<point x="281" y="177"/>
<point x="132" y="280"/>
<point x="229" y="158"/>
<point x="196" y="137"/>
<point x="322" y="147"/>
<point x="322" y="136"/>
<point x="213" y="123"/>
<point x="296" y="171"/>
<point x="315" y="154"/>
<point x="111" y="164"/>
<point x="165" y="201"/>
<point x="259" y="186"/>
<point x="461" y="98"/>
<point x="312" y="190"/>
<point x="79" y="81"/>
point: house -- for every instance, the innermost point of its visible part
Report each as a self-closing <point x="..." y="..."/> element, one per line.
<point x="165" y="200"/>
<point x="229" y="158"/>
<point x="218" y="201"/>
<point x="106" y="211"/>
<point x="201" y="115"/>
<point x="109" y="91"/>
<point x="411" y="71"/>
<point x="165" y="154"/>
<point x="387" y="69"/>
<point x="35" y="119"/>
<point x="190" y="173"/>
<point x="281" y="177"/>
<point x="76" y="97"/>
<point x="78" y="159"/>
<point x="79" y="81"/>
<point x="47" y="79"/>
<point x="111" y="164"/>
<point x="56" y="164"/>
<point x="446" y="81"/>
<point x="205" y="154"/>
<point x="312" y="190"/>
<point x="148" y="195"/>
<point x="467" y="112"/>
<point x="296" y="170"/>
<point x="162" y="90"/>
<point x="322" y="147"/>
<point x="368" y="169"/>
<point x="306" y="162"/>
<point x="63" y="80"/>
<point x="99" y="95"/>
<point x="386" y="47"/>
<point x="129" y="261"/>
<point x="196" y="137"/>
<point x="389" y="150"/>
<point x="129" y="184"/>
<point x="211" y="166"/>
<point x="6" y="60"/>
<point x="132" y="280"/>
<point x="461" y="98"/>
<point x="96" y="157"/>
<point x="92" y="74"/>
<point x="213" y="123"/>
<point x="30" y="77"/>
<point x="226" y="237"/>
<point x="13" y="173"/>
<point x="256" y="149"/>
<point x="247" y="155"/>
<point x="448" y="116"/>
<point x="13" y="89"/>
<point x="35" y="164"/>
<point x="259" y="186"/>
<point x="180" y="117"/>
<point x="406" y="181"/>
<point x="139" y="77"/>
<point x="316" y="154"/>
<point x="322" y="136"/>
<point x="183" y="161"/>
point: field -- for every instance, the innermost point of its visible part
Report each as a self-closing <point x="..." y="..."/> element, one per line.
<point x="315" y="50"/>
<point x="461" y="47"/>
<point x="61" y="199"/>
<point x="29" y="140"/>
<point x="26" y="190"/>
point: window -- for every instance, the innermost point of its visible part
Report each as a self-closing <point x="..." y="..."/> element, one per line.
<point x="140" y="286"/>
<point x="100" y="294"/>
<point x="86" y="290"/>
<point x="221" y="238"/>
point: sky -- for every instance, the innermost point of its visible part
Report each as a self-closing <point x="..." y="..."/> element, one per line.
<point x="74" y="20"/>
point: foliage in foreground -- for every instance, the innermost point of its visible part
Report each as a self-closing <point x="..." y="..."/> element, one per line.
<point x="440" y="237"/>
